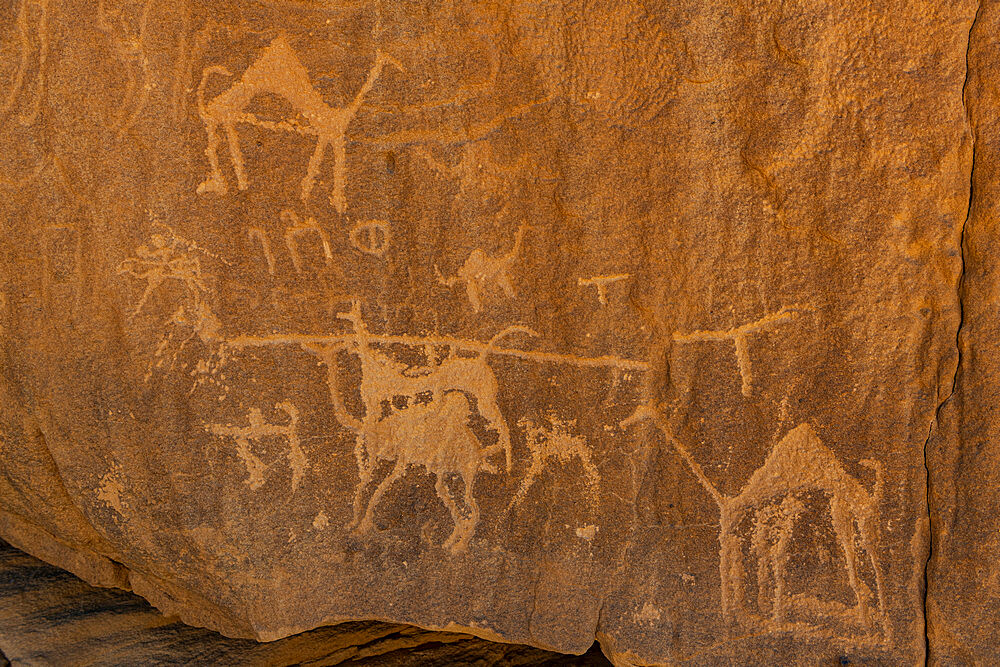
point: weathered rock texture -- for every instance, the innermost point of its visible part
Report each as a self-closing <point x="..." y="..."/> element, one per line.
<point x="536" y="321"/>
<point x="49" y="617"/>
<point x="964" y="455"/>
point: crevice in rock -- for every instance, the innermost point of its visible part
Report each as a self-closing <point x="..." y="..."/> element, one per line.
<point x="960" y="288"/>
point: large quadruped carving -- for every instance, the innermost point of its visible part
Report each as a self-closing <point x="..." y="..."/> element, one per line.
<point x="625" y="320"/>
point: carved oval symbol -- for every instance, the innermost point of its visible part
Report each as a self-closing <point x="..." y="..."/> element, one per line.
<point x="371" y="237"/>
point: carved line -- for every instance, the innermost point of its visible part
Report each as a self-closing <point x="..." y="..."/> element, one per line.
<point x="457" y="343"/>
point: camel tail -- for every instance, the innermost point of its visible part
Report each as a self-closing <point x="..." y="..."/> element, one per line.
<point x="515" y="328"/>
<point x="209" y="71"/>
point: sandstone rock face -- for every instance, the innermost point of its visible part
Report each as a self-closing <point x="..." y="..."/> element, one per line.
<point x="536" y="321"/>
<point x="963" y="456"/>
<point x="50" y="617"/>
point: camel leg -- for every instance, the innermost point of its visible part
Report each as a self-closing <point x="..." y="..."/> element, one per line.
<point x="503" y="279"/>
<point x="490" y="411"/>
<point x="529" y="478"/>
<point x="365" y="474"/>
<point x="868" y="531"/>
<point x="397" y="472"/>
<point x="843" y="526"/>
<point x="312" y="169"/>
<point x="215" y="182"/>
<point x="337" y="196"/>
<point x="469" y="481"/>
<point x="731" y="574"/>
<point x="442" y="490"/>
<point x="236" y="155"/>
<point x="472" y="291"/>
<point x="779" y="559"/>
<point x="761" y="552"/>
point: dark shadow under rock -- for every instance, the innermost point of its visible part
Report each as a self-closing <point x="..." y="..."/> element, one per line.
<point x="50" y="617"/>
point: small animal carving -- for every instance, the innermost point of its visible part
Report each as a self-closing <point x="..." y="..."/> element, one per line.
<point x="481" y="272"/>
<point x="554" y="444"/>
<point x="278" y="71"/>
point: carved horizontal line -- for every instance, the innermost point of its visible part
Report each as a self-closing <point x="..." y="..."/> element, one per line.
<point x="604" y="361"/>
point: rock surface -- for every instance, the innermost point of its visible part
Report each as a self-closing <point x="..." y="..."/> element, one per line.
<point x="536" y="321"/>
<point x="49" y="617"/>
<point x="964" y="453"/>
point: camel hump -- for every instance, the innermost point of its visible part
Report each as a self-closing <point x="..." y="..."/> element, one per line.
<point x="803" y="445"/>
<point x="803" y="433"/>
<point x="279" y="49"/>
<point x="278" y="70"/>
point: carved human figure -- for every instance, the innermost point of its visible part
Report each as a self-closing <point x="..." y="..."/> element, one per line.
<point x="278" y="71"/>
<point x="257" y="429"/>
<point x="176" y="260"/>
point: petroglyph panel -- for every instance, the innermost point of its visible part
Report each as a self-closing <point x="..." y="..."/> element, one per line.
<point x="545" y="322"/>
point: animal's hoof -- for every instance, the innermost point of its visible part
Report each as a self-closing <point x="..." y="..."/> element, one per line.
<point x="213" y="184"/>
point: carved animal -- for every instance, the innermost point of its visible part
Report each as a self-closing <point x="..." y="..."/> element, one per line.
<point x="481" y="271"/>
<point x="557" y="444"/>
<point x="383" y="380"/>
<point x="798" y="463"/>
<point x="278" y="71"/>
<point x="436" y="436"/>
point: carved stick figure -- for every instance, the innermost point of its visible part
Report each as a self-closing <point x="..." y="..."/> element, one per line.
<point x="258" y="429"/>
